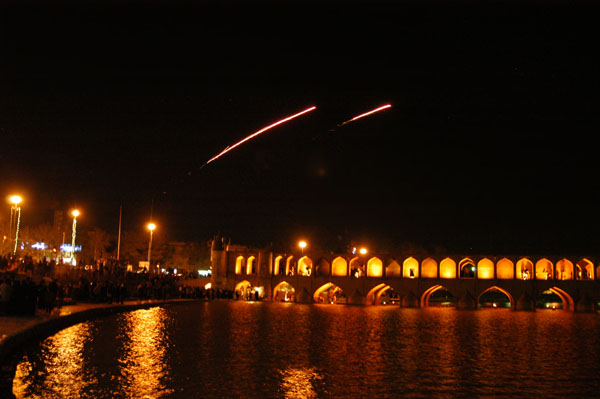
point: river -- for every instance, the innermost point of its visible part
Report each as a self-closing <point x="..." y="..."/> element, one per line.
<point x="229" y="349"/>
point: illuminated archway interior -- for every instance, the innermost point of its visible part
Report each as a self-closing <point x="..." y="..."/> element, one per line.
<point x="544" y="269"/>
<point x="564" y="270"/>
<point x="429" y="268"/>
<point x="277" y="269"/>
<point x="524" y="269"/>
<point x="438" y="295"/>
<point x="393" y="270"/>
<point x="467" y="268"/>
<point x="505" y="269"/>
<point x="305" y="266"/>
<point x="239" y="261"/>
<point x="284" y="292"/>
<point x="485" y="269"/>
<point x="410" y="268"/>
<point x="250" y="268"/>
<point x="447" y="268"/>
<point x="495" y="297"/>
<point x="329" y="293"/>
<point x="375" y="267"/>
<point x="339" y="267"/>
<point x="585" y="270"/>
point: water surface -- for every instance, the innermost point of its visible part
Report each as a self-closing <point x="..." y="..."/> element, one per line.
<point x="228" y="349"/>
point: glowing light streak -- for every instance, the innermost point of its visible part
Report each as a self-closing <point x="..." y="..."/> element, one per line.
<point x="366" y="114"/>
<point x="264" y="129"/>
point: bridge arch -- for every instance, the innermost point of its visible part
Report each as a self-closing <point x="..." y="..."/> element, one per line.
<point x="289" y="266"/>
<point x="505" y="269"/>
<point x="357" y="267"/>
<point x="393" y="270"/>
<point x="448" y="268"/>
<point x="564" y="269"/>
<point x="524" y="269"/>
<point x="585" y="270"/>
<point x="485" y="269"/>
<point x="424" y="300"/>
<point x="511" y="299"/>
<point x="277" y="269"/>
<point x="242" y="289"/>
<point x="374" y="267"/>
<point x="567" y="300"/>
<point x="410" y="268"/>
<point x="305" y="266"/>
<point x="250" y="265"/>
<point x="284" y="292"/>
<point x="323" y="268"/>
<point x="328" y="293"/>
<point x="339" y="267"/>
<point x="371" y="298"/>
<point x="239" y="261"/>
<point x="429" y="268"/>
<point x="544" y="269"/>
<point x="467" y="268"/>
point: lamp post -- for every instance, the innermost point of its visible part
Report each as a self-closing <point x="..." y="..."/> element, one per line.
<point x="75" y="213"/>
<point x="15" y="219"/>
<point x="302" y="245"/>
<point x="151" y="227"/>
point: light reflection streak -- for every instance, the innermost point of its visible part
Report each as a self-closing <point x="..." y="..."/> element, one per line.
<point x="65" y="373"/>
<point x="142" y="366"/>
<point x="297" y="383"/>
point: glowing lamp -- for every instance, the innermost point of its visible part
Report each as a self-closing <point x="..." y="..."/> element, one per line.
<point x="16" y="199"/>
<point x="151" y="226"/>
<point x="363" y="251"/>
<point x="75" y="213"/>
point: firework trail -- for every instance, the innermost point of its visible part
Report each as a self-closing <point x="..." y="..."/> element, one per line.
<point x="264" y="129"/>
<point x="366" y="114"/>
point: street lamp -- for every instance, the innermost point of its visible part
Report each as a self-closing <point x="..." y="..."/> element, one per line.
<point x="151" y="227"/>
<point x="363" y="251"/>
<point x="15" y="218"/>
<point x="75" y="213"/>
<point x="302" y="245"/>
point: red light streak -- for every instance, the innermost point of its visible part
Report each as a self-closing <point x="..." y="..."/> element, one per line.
<point x="367" y="114"/>
<point x="264" y="129"/>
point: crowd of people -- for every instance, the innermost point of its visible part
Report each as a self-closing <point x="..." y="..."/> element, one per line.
<point x="28" y="287"/>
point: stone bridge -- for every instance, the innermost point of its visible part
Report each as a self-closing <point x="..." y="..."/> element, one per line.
<point x="406" y="280"/>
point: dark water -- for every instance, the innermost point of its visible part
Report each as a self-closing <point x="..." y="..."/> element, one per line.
<point x="276" y="350"/>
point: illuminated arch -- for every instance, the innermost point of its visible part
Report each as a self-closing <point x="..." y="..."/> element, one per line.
<point x="276" y="267"/>
<point x="380" y="293"/>
<point x="429" y="268"/>
<point x="567" y="300"/>
<point x="357" y="267"/>
<point x="339" y="267"/>
<point x="485" y="269"/>
<point x="410" y="268"/>
<point x="289" y="267"/>
<point x="250" y="269"/>
<point x="585" y="270"/>
<point x="322" y="268"/>
<point x="424" y="300"/>
<point x="448" y="268"/>
<point x="372" y="294"/>
<point x="284" y="291"/>
<point x="544" y="269"/>
<point x="327" y="293"/>
<point x="513" y="304"/>
<point x="374" y="267"/>
<point x="241" y="288"/>
<point x="505" y="269"/>
<point x="239" y="261"/>
<point x="393" y="270"/>
<point x="467" y="268"/>
<point x="305" y="266"/>
<point x="564" y="269"/>
<point x="524" y="269"/>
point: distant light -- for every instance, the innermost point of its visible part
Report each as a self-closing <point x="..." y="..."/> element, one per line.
<point x="174" y="271"/>
<point x="205" y="273"/>
<point x="473" y="268"/>
<point x="39" y="245"/>
<point x="208" y="286"/>
<point x="68" y="248"/>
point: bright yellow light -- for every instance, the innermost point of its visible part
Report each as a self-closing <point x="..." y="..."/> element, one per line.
<point x="363" y="251"/>
<point x="302" y="244"/>
<point x="75" y="213"/>
<point x="151" y="226"/>
<point x="16" y="199"/>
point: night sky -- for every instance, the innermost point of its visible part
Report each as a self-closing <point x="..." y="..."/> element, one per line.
<point x="490" y="146"/>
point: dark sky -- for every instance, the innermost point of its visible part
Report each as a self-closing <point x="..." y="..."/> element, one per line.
<point x="490" y="145"/>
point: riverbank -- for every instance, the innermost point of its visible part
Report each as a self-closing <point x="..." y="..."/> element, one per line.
<point x="18" y="331"/>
